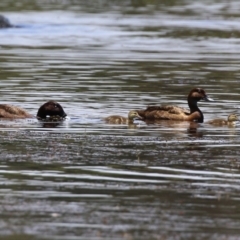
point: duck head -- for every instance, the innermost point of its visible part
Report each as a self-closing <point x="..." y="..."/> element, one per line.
<point x="233" y="118"/>
<point x="52" y="110"/>
<point x="133" y="115"/>
<point x="198" y="94"/>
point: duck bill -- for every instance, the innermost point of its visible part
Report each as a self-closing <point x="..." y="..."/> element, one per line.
<point x="207" y="99"/>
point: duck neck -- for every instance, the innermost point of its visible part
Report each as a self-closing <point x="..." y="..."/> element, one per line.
<point x="41" y="113"/>
<point x="194" y="108"/>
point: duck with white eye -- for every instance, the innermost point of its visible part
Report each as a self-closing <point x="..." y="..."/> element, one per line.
<point x="51" y="111"/>
<point x="116" y="119"/>
<point x="231" y="121"/>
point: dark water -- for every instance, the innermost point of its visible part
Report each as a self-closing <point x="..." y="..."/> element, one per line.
<point x="86" y="179"/>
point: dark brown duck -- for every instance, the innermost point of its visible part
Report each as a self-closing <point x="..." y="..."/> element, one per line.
<point x="51" y="111"/>
<point x="170" y="112"/>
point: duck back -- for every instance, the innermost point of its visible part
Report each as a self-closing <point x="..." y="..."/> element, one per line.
<point x="167" y="112"/>
<point x="116" y="119"/>
<point x="10" y="111"/>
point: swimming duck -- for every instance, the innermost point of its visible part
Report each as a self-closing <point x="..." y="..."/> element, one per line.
<point x="170" y="112"/>
<point x="230" y="121"/>
<point x="51" y="111"/>
<point x="13" y="112"/>
<point x="116" y="119"/>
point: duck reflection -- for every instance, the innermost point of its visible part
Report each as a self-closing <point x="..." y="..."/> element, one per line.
<point x="46" y="124"/>
<point x="193" y="130"/>
<point x="178" y="126"/>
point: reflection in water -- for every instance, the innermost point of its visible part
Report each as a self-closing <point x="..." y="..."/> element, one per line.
<point x="46" y="124"/>
<point x="193" y="130"/>
<point x="87" y="179"/>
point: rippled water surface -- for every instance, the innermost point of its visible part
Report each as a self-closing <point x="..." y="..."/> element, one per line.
<point x="85" y="179"/>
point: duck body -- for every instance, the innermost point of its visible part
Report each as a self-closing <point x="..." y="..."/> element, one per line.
<point x="165" y="112"/>
<point x="51" y="111"/>
<point x="13" y="112"/>
<point x="170" y="112"/>
<point x="230" y="121"/>
<point x="116" y="119"/>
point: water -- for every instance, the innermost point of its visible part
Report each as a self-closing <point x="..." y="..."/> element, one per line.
<point x="85" y="179"/>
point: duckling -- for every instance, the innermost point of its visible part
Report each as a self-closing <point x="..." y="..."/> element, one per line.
<point x="170" y="112"/>
<point x="230" y="121"/>
<point x="116" y="119"/>
<point x="13" y="112"/>
<point x="51" y="111"/>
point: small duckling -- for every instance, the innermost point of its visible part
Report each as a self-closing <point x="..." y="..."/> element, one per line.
<point x="231" y="121"/>
<point x="51" y="111"/>
<point x="116" y="119"/>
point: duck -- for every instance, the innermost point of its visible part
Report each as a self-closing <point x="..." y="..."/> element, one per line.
<point x="230" y="121"/>
<point x="13" y="112"/>
<point x="170" y="112"/>
<point x="116" y="119"/>
<point x="51" y="111"/>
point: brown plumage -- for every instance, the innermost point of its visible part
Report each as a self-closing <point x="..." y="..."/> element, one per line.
<point x="170" y="112"/>
<point x="231" y="120"/>
<point x="13" y="112"/>
<point x="116" y="119"/>
<point x="51" y="111"/>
